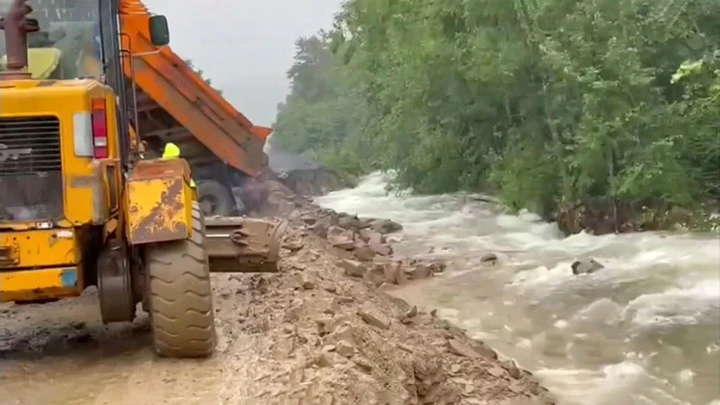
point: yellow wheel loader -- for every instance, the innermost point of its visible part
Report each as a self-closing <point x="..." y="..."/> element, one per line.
<point x="79" y="207"/>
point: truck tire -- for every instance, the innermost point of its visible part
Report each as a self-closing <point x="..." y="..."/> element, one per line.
<point x="180" y="295"/>
<point x="215" y="199"/>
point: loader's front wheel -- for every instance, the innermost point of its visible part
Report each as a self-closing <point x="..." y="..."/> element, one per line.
<point x="180" y="295"/>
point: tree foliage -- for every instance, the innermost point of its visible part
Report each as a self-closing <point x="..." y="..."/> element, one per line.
<point x="548" y="102"/>
<point x="201" y="73"/>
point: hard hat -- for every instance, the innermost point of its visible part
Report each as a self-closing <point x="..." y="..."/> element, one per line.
<point x="171" y="151"/>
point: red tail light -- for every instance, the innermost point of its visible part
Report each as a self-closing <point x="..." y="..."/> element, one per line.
<point x="99" y="129"/>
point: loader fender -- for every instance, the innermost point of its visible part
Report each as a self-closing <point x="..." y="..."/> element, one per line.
<point x="159" y="200"/>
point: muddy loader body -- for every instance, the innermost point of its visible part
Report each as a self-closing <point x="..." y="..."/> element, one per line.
<point x="80" y="207"/>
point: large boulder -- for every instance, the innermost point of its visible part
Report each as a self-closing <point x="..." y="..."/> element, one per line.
<point x="385" y="226"/>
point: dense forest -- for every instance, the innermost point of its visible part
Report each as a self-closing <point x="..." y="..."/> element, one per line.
<point x="551" y="104"/>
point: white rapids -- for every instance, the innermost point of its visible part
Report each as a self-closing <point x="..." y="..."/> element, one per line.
<point x="645" y="330"/>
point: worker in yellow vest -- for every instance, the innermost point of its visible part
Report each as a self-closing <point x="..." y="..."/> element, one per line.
<point x="172" y="151"/>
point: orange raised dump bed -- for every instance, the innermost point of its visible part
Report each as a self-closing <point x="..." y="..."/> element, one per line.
<point x="176" y="105"/>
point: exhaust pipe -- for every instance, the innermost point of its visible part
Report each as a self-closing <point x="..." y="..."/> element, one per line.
<point x="16" y="26"/>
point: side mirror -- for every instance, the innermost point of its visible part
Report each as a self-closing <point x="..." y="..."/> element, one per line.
<point x="159" y="31"/>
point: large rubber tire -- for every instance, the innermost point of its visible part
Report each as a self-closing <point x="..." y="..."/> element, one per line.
<point x="180" y="295"/>
<point x="214" y="194"/>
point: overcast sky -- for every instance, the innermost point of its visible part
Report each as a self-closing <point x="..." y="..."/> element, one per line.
<point x="244" y="46"/>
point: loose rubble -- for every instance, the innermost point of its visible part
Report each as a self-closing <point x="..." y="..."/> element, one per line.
<point x="369" y="346"/>
<point x="370" y="250"/>
<point x="334" y="338"/>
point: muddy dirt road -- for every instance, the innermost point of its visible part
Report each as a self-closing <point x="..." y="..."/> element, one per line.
<point x="60" y="353"/>
<point x="307" y="335"/>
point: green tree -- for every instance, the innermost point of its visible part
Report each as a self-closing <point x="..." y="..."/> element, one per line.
<point x="201" y="73"/>
<point x="550" y="103"/>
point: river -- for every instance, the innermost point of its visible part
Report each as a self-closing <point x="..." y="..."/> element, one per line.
<point x="644" y="330"/>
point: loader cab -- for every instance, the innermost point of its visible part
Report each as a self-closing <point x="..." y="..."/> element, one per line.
<point x="75" y="133"/>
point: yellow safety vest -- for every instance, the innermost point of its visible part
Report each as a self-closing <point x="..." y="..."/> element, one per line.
<point x="172" y="151"/>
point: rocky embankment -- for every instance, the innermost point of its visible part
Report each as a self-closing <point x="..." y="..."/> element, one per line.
<point x="356" y="343"/>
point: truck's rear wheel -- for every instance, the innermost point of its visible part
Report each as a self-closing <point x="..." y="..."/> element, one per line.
<point x="180" y="295"/>
<point x="215" y="199"/>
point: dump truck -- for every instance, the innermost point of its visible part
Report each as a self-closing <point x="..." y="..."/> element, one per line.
<point x="81" y="205"/>
<point x="175" y="104"/>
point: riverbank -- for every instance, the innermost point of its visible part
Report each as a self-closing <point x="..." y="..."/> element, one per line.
<point x="357" y="254"/>
<point x="602" y="216"/>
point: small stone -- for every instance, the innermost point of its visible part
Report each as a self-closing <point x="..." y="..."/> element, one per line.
<point x="298" y="267"/>
<point x="341" y="242"/>
<point x="512" y="368"/>
<point x="345" y="349"/>
<point x="350" y="222"/>
<point x="412" y="312"/>
<point x="363" y="363"/>
<point x="438" y="266"/>
<point x="293" y="280"/>
<point x="284" y="347"/>
<point x="320" y="227"/>
<point x="329" y="359"/>
<point x="496" y="372"/>
<point x="408" y="316"/>
<point x="363" y="252"/>
<point x="419" y="271"/>
<point x="328" y="306"/>
<point x="308" y="284"/>
<point x="338" y="231"/>
<point x="484" y="350"/>
<point x="353" y="268"/>
<point x="381" y="249"/>
<point x="394" y="273"/>
<point x="343" y="333"/>
<point x="372" y="237"/>
<point x="373" y="317"/>
<point x="376" y="275"/>
<point x="323" y="324"/>
<point x="455" y="368"/>
<point x="535" y="388"/>
<point x="288" y="328"/>
<point x="345" y="300"/>
<point x="308" y="219"/>
<point x="405" y="348"/>
<point x="489" y="259"/>
<point x="461" y="349"/>
<point x="385" y="226"/>
<point x="518" y="388"/>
